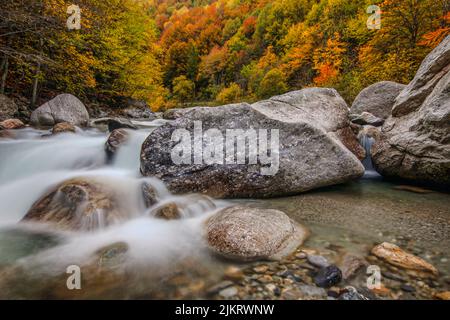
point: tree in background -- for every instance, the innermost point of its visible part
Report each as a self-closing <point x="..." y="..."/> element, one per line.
<point x="272" y="84"/>
<point x="183" y="89"/>
<point x="328" y="61"/>
<point x="113" y="55"/>
<point x="230" y="94"/>
<point x="395" y="51"/>
<point x="137" y="48"/>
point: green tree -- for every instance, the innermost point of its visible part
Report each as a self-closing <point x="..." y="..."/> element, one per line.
<point x="230" y="94"/>
<point x="272" y="84"/>
<point x="183" y="89"/>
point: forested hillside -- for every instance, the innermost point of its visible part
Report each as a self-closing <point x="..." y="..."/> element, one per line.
<point x="179" y="52"/>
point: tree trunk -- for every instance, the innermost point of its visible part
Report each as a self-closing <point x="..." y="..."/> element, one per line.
<point x="34" y="93"/>
<point x="35" y="85"/>
<point x="5" y="67"/>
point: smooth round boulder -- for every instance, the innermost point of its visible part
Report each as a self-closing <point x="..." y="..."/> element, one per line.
<point x="245" y="233"/>
<point x="62" y="108"/>
<point x="168" y="211"/>
<point x="377" y="99"/>
<point x="77" y="204"/>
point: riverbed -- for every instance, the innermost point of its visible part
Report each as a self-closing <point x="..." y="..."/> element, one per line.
<point x="149" y="258"/>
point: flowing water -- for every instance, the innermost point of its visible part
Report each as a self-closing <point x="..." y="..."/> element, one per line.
<point x="34" y="257"/>
<point x="367" y="142"/>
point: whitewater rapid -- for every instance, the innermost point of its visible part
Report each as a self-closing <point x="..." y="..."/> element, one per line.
<point x="35" y="162"/>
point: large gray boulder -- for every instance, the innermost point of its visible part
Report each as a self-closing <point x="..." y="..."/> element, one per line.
<point x="309" y="154"/>
<point x="377" y="99"/>
<point x="8" y="108"/>
<point x="415" y="141"/>
<point x="433" y="68"/>
<point x="245" y="233"/>
<point x="62" y="108"/>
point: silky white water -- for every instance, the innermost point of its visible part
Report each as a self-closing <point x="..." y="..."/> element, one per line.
<point x="35" y="162"/>
<point x="366" y="142"/>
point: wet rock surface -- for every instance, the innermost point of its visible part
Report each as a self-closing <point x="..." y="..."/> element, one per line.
<point x="63" y="127"/>
<point x="327" y="277"/>
<point x="168" y="211"/>
<point x="120" y="123"/>
<point x="117" y="138"/>
<point x="350" y="141"/>
<point x="110" y="123"/>
<point x="350" y="264"/>
<point x="77" y="204"/>
<point x="396" y="256"/>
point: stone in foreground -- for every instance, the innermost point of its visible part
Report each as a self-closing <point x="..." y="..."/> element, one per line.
<point x="310" y="154"/>
<point x="62" y="108"/>
<point x="399" y="258"/>
<point x="246" y="234"/>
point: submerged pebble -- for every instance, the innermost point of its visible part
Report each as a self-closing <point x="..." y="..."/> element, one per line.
<point x="328" y="276"/>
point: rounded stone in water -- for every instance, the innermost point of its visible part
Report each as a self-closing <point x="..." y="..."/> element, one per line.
<point x="328" y="277"/>
<point x="245" y="233"/>
<point x="77" y="204"/>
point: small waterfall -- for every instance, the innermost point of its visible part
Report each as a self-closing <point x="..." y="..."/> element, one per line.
<point x="367" y="141"/>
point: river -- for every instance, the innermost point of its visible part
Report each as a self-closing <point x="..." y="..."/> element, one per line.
<point x="34" y="257"/>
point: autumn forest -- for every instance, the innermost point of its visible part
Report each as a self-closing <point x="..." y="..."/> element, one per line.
<point x="179" y="53"/>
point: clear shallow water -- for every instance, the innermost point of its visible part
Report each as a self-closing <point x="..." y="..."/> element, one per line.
<point x="363" y="213"/>
<point x="33" y="163"/>
<point x="347" y="218"/>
